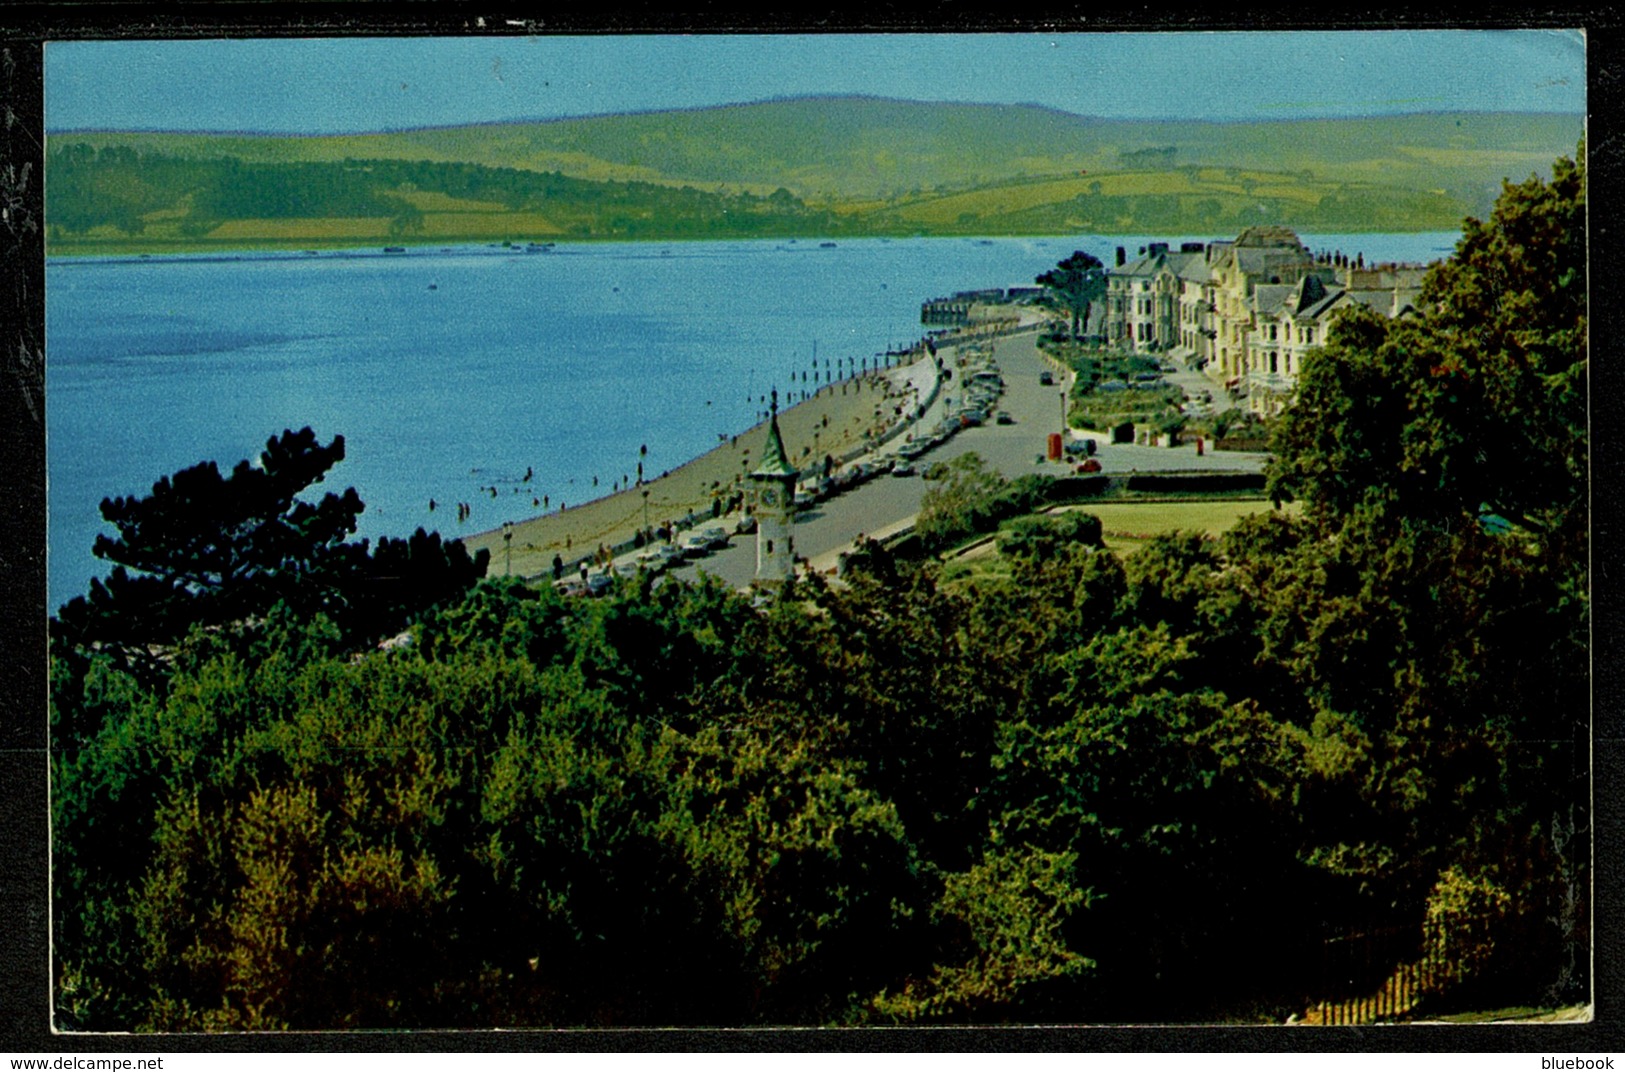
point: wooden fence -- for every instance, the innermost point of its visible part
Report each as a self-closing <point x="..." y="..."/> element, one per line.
<point x="1383" y="974"/>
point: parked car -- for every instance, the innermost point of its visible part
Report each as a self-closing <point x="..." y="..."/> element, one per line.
<point x="902" y="469"/>
<point x="716" y="536"/>
<point x="1046" y="378"/>
<point x="1004" y="418"/>
<point x="1089" y="465"/>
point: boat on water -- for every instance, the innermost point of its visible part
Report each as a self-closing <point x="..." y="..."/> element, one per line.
<point x="826" y="245"/>
<point x="394" y="249"/>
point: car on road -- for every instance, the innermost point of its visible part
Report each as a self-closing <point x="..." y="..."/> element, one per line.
<point x="1090" y="465"/>
<point x="902" y="469"/>
<point x="1003" y="417"/>
<point x="696" y="546"/>
<point x="660" y="556"/>
<point x="716" y="537"/>
<point x="1046" y="378"/>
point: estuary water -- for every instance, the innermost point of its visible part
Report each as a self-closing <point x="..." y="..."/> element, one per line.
<point x="451" y="372"/>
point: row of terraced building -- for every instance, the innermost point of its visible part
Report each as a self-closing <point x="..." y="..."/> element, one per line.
<point x="1245" y="310"/>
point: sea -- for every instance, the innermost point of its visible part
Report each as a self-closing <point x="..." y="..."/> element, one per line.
<point x="486" y="376"/>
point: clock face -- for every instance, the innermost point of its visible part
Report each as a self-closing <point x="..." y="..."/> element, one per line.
<point x="770" y="497"/>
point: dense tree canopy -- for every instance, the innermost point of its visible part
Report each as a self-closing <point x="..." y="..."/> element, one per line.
<point x="1479" y="405"/>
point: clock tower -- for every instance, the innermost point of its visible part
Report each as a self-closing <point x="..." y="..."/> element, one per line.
<point x="774" y="482"/>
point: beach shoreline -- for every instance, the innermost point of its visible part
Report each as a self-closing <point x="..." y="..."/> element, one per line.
<point x="842" y="419"/>
<point x="838" y="419"/>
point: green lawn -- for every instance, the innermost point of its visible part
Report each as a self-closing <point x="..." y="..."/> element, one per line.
<point x="1128" y="525"/>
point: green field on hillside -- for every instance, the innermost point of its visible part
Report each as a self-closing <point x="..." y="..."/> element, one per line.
<point x="811" y="167"/>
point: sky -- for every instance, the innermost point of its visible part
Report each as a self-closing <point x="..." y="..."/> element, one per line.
<point x="350" y="85"/>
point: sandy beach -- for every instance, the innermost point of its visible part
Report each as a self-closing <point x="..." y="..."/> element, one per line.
<point x="832" y="422"/>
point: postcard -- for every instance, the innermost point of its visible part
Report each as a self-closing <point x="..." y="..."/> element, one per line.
<point x="837" y="531"/>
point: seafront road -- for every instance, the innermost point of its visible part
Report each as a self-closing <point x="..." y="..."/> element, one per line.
<point x="887" y="502"/>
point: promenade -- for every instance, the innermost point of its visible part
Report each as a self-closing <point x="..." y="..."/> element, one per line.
<point x="837" y="421"/>
<point x="887" y="503"/>
<point x="863" y="418"/>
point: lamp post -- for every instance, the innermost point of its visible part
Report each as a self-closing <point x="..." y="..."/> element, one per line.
<point x="645" y="511"/>
<point x="507" y="544"/>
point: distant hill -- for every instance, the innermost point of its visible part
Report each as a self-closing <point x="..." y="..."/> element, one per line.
<point x="847" y="165"/>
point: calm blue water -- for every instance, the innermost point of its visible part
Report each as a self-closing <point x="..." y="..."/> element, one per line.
<point x="563" y="363"/>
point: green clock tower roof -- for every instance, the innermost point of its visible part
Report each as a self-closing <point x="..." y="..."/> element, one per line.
<point x="774" y="460"/>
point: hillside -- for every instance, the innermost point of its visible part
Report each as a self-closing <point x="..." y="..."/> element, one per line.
<point x="847" y="165"/>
